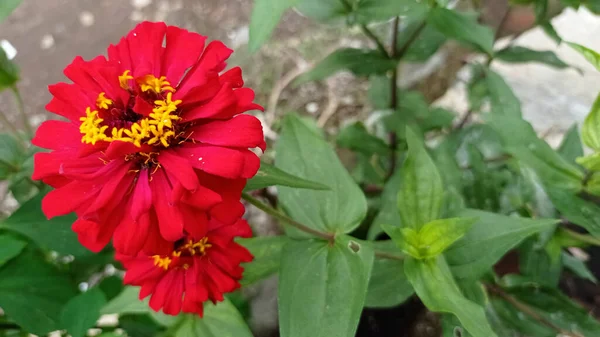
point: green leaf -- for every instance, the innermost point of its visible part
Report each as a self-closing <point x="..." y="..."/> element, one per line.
<point x="557" y="308"/>
<point x="438" y="235"/>
<point x="379" y="10"/>
<point x="10" y="151"/>
<point x="388" y="214"/>
<point x="6" y="7"/>
<point x="570" y="148"/>
<point x="269" y="175"/>
<point x="420" y="198"/>
<point x="537" y="265"/>
<point x="578" y="267"/>
<point x="54" y="234"/>
<point x="551" y="32"/>
<point x="578" y="211"/>
<point x="267" y="253"/>
<point x="478" y="90"/>
<point x="437" y="289"/>
<point x="265" y="16"/>
<point x="82" y="312"/>
<point x="590" y="132"/>
<point x="9" y="247"/>
<point x="9" y="72"/>
<point x="322" y="287"/>
<point x="388" y="285"/>
<point x="32" y="293"/>
<point x="503" y="100"/>
<point x="518" y="54"/>
<point x="493" y="234"/>
<point x="127" y="302"/>
<point x="302" y="152"/>
<point x="356" y="137"/>
<point x="428" y="41"/>
<point x="590" y="55"/>
<point x="359" y="61"/>
<point x="323" y="10"/>
<point x="220" y="320"/>
<point x="522" y="142"/>
<point x="462" y="28"/>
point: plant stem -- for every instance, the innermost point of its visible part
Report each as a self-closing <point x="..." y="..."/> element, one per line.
<point x="389" y="256"/>
<point x="284" y="218"/>
<point x="392" y="137"/>
<point x="21" y="109"/>
<point x="402" y="50"/>
<point x="528" y="310"/>
<point x="375" y="39"/>
<point x="581" y="237"/>
<point x="13" y="129"/>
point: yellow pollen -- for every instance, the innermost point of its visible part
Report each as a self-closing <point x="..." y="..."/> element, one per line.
<point x="124" y="80"/>
<point x="102" y="102"/>
<point x="90" y="127"/>
<point x="199" y="247"/>
<point x="162" y="262"/>
<point x="156" y="129"/>
<point x="157" y="85"/>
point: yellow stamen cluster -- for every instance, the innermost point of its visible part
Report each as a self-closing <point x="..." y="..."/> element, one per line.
<point x="102" y="102"/>
<point x="162" y="262"/>
<point x="157" y="85"/>
<point x="198" y="247"/>
<point x="124" y="80"/>
<point x="157" y="128"/>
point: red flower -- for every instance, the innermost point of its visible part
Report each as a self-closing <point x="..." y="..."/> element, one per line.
<point x="183" y="275"/>
<point x="155" y="139"/>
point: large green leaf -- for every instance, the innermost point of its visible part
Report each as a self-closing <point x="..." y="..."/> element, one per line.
<point x="359" y="61"/>
<point x="33" y="293"/>
<point x="9" y="72"/>
<point x="492" y="236"/>
<point x="590" y="55"/>
<point x="265" y="16"/>
<point x="463" y="28"/>
<point x="9" y="247"/>
<point x="579" y="211"/>
<point x="420" y="198"/>
<point x="427" y="42"/>
<point x="518" y="54"/>
<point x="269" y="175"/>
<point x="388" y="285"/>
<point x="357" y="138"/>
<point x="302" y="152"/>
<point x="82" y="312"/>
<point x="570" y="148"/>
<point x="54" y="234"/>
<point x="6" y="7"/>
<point x="267" y="254"/>
<point x="388" y="214"/>
<point x="590" y="132"/>
<point x="220" y="320"/>
<point x="322" y="287"/>
<point x="323" y="10"/>
<point x="437" y="289"/>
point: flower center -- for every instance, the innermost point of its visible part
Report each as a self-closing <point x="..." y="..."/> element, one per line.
<point x="182" y="256"/>
<point x="110" y="121"/>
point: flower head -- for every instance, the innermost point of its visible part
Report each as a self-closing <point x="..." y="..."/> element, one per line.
<point x="155" y="132"/>
<point x="183" y="275"/>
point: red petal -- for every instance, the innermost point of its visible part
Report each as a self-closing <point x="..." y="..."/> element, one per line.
<point x="241" y="131"/>
<point x="169" y="216"/>
<point x="56" y="135"/>
<point x="220" y="161"/>
<point x="68" y="198"/>
<point x="213" y="59"/>
<point x="180" y="169"/>
<point x="145" y="47"/>
<point x="142" y="106"/>
<point x="183" y="49"/>
<point x="233" y="76"/>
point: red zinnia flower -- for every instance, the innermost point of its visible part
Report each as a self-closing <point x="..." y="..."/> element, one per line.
<point x="155" y="137"/>
<point x="197" y="268"/>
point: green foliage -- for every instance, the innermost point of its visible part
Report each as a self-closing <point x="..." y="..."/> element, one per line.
<point x="269" y="175"/>
<point x="301" y="152"/>
<point x="6" y="7"/>
<point x="518" y="54"/>
<point x="220" y="320"/>
<point x="266" y="252"/>
<point x="590" y="132"/>
<point x="388" y="285"/>
<point x="82" y="312"/>
<point x="322" y="287"/>
<point x="358" y="61"/>
<point x="435" y="286"/>
<point x="590" y="55"/>
<point x="10" y="247"/>
<point x="265" y="16"/>
<point x="420" y="198"/>
<point x="463" y="28"/>
<point x="9" y="73"/>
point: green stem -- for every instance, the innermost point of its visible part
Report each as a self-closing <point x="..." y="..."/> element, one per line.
<point x="375" y="39"/>
<point x="21" y="109"/>
<point x="284" y="218"/>
<point x="581" y="237"/>
<point x="389" y="256"/>
<point x="13" y="129"/>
